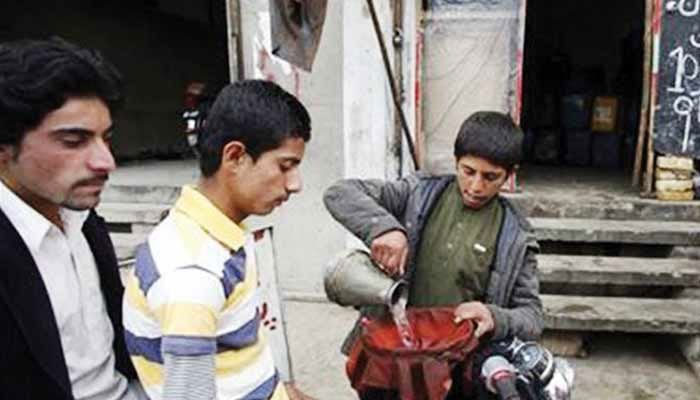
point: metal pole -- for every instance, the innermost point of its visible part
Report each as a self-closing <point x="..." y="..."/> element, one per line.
<point x="392" y="84"/>
<point x="643" y="129"/>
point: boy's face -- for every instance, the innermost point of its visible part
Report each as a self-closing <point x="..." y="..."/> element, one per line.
<point x="266" y="183"/>
<point x="65" y="160"/>
<point x="479" y="180"/>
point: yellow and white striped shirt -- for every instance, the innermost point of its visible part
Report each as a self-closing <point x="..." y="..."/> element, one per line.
<point x="193" y="292"/>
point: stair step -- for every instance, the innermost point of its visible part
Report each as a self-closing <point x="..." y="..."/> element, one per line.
<point x="142" y="213"/>
<point x="125" y="193"/>
<point x="678" y="233"/>
<point x="125" y="244"/>
<point x="622" y="314"/>
<point x="603" y="206"/>
<point x="635" y="271"/>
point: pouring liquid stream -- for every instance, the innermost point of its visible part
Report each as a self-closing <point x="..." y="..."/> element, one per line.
<point x="398" y="312"/>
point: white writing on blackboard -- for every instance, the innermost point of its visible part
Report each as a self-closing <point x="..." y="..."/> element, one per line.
<point x="687" y="69"/>
<point x="687" y="8"/>
<point x="687" y="72"/>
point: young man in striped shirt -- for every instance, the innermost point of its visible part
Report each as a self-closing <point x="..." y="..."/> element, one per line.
<point x="191" y="307"/>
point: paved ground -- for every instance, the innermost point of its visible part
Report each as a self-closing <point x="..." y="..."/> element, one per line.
<point x="619" y="367"/>
<point x="630" y="367"/>
<point x="315" y="331"/>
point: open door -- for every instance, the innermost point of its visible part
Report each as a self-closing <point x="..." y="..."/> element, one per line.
<point x="583" y="86"/>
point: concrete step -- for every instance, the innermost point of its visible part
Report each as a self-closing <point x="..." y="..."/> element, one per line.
<point x="632" y="271"/>
<point x="622" y="314"/>
<point x="602" y="205"/>
<point x="125" y="244"/>
<point x="139" y="214"/>
<point x="129" y="193"/>
<point x="674" y="233"/>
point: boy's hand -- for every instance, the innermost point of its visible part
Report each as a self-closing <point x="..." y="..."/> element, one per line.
<point x="295" y="394"/>
<point x="390" y="250"/>
<point x="479" y="313"/>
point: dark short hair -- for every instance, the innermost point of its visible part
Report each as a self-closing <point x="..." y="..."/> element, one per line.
<point x="39" y="76"/>
<point x="490" y="135"/>
<point x="257" y="113"/>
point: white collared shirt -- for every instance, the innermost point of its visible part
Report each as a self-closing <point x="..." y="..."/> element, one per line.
<point x="67" y="267"/>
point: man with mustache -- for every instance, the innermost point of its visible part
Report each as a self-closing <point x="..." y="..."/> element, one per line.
<point x="452" y="237"/>
<point x="192" y="308"/>
<point x="60" y="293"/>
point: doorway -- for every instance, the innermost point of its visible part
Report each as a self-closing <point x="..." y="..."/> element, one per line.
<point x="582" y="88"/>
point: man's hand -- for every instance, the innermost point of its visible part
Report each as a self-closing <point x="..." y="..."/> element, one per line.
<point x="479" y="313"/>
<point x="390" y="250"/>
<point x="295" y="394"/>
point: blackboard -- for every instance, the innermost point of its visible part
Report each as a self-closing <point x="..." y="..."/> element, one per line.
<point x="677" y="105"/>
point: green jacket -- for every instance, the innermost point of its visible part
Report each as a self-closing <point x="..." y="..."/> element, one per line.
<point x="368" y="208"/>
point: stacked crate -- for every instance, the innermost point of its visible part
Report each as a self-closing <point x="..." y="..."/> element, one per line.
<point x="674" y="178"/>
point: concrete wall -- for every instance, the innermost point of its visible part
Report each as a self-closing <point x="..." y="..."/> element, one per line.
<point x="352" y="125"/>
<point x="368" y="118"/>
<point x="157" y="52"/>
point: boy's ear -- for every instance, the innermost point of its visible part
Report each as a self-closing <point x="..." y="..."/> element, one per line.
<point x="233" y="154"/>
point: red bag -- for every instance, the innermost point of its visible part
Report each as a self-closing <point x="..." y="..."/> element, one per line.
<point x="380" y="361"/>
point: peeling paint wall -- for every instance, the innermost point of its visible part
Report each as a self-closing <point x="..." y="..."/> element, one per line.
<point x="368" y="119"/>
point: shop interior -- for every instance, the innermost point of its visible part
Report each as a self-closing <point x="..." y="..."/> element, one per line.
<point x="582" y="88"/>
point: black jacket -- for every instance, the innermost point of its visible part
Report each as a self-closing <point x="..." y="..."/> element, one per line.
<point x="31" y="358"/>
